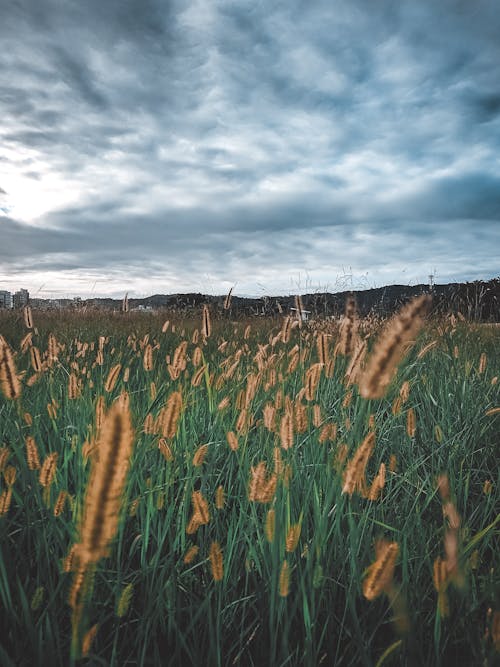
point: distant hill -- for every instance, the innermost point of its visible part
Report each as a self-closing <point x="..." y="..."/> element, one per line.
<point x="478" y="300"/>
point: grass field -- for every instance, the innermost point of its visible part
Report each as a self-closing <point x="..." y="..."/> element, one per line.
<point x="271" y="514"/>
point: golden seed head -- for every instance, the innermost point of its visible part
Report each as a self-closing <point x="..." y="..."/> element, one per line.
<point x="411" y="423"/>
<point x="5" y="500"/>
<point x="112" y="378"/>
<point x="225" y="403"/>
<point x="32" y="456"/>
<point x="312" y="378"/>
<point x="220" y="498"/>
<point x="377" y="484"/>
<point x="89" y="637"/>
<point x="487" y="487"/>
<point x="73" y="387"/>
<point x="381" y="572"/>
<point x="285" y="329"/>
<point x="199" y="455"/>
<point x="191" y="554"/>
<point x="198" y="376"/>
<point x="206" y="326"/>
<point x="28" y="317"/>
<point x="257" y="481"/>
<point x="348" y="328"/>
<point x="48" y="470"/>
<point x="354" y="474"/>
<point x="317" y="418"/>
<point x="444" y="487"/>
<point x="300" y="417"/>
<point x="284" y="580"/>
<point x="286" y="430"/>
<point x="270" y="525"/>
<point x="232" y="441"/>
<point x="426" y="349"/>
<point x="147" y="360"/>
<point x="200" y="508"/>
<point x="227" y="300"/>
<point x="4" y="457"/>
<point x="292" y="537"/>
<point x="60" y="503"/>
<point x="149" y="424"/>
<point x="392" y="346"/>
<point x="103" y="497"/>
<point x="483" y="361"/>
<point x="9" y="382"/>
<point x="355" y="364"/>
<point x="216" y="561"/>
<point x="9" y="475"/>
<point x="440" y="574"/>
<point x="171" y="414"/>
<point x="36" y="359"/>
<point x="25" y="342"/>
<point x="322" y="347"/>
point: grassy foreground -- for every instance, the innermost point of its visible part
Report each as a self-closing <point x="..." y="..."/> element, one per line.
<point x="218" y="560"/>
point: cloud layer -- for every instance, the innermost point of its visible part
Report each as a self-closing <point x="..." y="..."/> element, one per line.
<point x="155" y="146"/>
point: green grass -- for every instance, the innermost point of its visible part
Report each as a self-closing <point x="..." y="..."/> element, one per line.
<point x="178" y="615"/>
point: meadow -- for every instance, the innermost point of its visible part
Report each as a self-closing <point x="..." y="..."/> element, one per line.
<point x="209" y="491"/>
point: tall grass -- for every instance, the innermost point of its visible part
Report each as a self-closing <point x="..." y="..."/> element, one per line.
<point x="249" y="548"/>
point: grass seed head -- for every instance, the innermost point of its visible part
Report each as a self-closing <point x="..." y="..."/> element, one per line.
<point x="200" y="455"/>
<point x="206" y="325"/>
<point x="354" y="474"/>
<point x="112" y="378"/>
<point x="36" y="359"/>
<point x="103" y="497"/>
<point x="191" y="554"/>
<point x="286" y="430"/>
<point x="220" y="498"/>
<point x="284" y="580"/>
<point x="232" y="441"/>
<point x="216" y="561"/>
<point x="171" y="415"/>
<point x="60" y="503"/>
<point x="391" y="347"/>
<point x="5" y="500"/>
<point x="411" y="423"/>
<point x="200" y="508"/>
<point x="48" y="470"/>
<point x="32" y="456"/>
<point x="348" y="328"/>
<point x="9" y="382"/>
<point x="270" y="525"/>
<point x="381" y="572"/>
<point x="124" y="600"/>
<point x="292" y="537"/>
<point x="28" y="317"/>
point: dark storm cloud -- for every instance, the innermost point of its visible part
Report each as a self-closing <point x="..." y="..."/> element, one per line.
<point x="244" y="139"/>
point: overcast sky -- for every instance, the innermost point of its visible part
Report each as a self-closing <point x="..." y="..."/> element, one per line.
<point x="149" y="146"/>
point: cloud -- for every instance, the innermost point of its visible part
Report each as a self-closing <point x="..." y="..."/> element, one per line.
<point x="249" y="142"/>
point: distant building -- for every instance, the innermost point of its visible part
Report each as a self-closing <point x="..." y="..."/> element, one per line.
<point x="21" y="298"/>
<point x="142" y="309"/>
<point x="5" y="299"/>
<point x="304" y="314"/>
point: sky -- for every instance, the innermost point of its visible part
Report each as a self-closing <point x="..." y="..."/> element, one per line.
<point x="155" y="146"/>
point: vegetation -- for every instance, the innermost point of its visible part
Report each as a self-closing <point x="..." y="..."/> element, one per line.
<point x="264" y="492"/>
